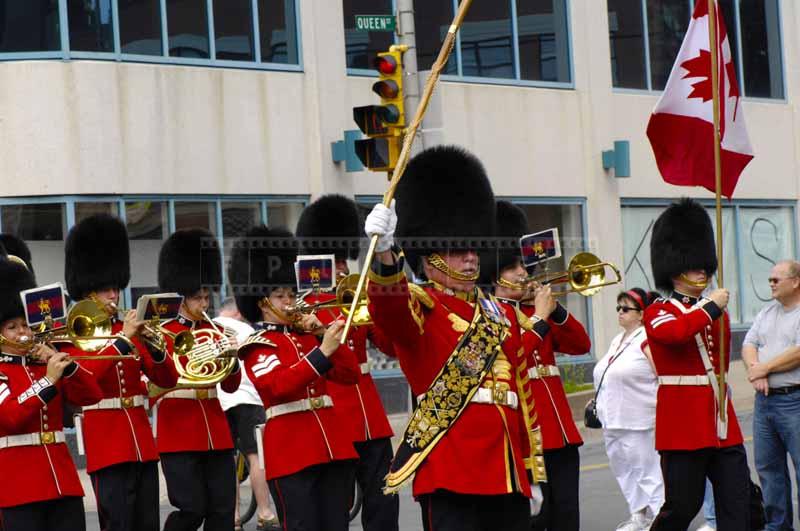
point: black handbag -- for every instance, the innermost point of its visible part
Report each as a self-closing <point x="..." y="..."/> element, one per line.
<point x="590" y="418"/>
<point x="758" y="517"/>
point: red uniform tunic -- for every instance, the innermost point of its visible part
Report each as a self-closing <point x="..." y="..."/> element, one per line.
<point x="287" y="366"/>
<point x="360" y="405"/>
<point x="29" y="403"/>
<point x="122" y="435"/>
<point x="568" y="336"/>
<point x="482" y="452"/>
<point x="686" y="414"/>
<point x="190" y="424"/>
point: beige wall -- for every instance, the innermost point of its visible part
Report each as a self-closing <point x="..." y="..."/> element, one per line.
<point x="87" y="127"/>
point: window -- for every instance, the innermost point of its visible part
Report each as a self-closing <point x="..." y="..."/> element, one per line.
<point x="29" y="26"/>
<point x="90" y="25"/>
<point x="753" y="30"/>
<point x="361" y="46"/>
<point x="43" y="226"/>
<point x="495" y="44"/>
<point x="765" y="236"/>
<point x="190" y="215"/>
<point x="84" y="210"/>
<point x="31" y="29"/>
<point x="237" y="218"/>
<point x="233" y="30"/>
<point x="148" y="227"/>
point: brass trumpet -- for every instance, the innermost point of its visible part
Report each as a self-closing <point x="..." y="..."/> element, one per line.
<point x="585" y="274"/>
<point x="345" y="290"/>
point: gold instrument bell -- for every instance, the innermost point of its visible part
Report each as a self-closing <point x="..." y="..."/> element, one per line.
<point x="345" y="290"/>
<point x="585" y="274"/>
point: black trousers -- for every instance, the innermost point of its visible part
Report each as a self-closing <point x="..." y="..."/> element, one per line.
<point x="127" y="497"/>
<point x="560" y="511"/>
<point x="380" y="511"/>
<point x="63" y="514"/>
<point x="202" y="486"/>
<point x="685" y="475"/>
<point x="448" y="511"/>
<point x="316" y="498"/>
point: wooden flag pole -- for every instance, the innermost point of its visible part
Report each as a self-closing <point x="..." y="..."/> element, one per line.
<point x="715" y="80"/>
<point x="405" y="152"/>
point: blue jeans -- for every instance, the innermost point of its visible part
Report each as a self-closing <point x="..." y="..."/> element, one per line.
<point x="776" y="432"/>
<point x="709" y="513"/>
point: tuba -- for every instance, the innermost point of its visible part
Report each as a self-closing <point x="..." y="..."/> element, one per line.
<point x="203" y="358"/>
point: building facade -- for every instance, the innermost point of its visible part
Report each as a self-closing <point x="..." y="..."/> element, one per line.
<point x="221" y="113"/>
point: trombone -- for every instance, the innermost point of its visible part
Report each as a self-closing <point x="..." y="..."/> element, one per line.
<point x="585" y="275"/>
<point x="345" y="291"/>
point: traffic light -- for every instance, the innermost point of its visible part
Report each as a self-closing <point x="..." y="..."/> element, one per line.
<point x="383" y="123"/>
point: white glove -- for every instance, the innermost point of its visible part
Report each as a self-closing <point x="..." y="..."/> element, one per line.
<point x="537" y="499"/>
<point x="382" y="221"/>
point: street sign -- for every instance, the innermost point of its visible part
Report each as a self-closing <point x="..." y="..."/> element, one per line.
<point x="375" y="23"/>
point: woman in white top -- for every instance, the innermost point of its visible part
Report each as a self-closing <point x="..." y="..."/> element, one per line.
<point x="626" y="406"/>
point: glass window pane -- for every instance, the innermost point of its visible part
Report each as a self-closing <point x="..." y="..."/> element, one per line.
<point x="43" y="227"/>
<point x="140" y="26"/>
<point x="667" y="21"/>
<point x="84" y="210"/>
<point x="361" y="46"/>
<point x="730" y="263"/>
<point x="238" y="217"/>
<point x="90" y="25"/>
<point x="767" y="237"/>
<point x="761" y="49"/>
<point x="486" y="47"/>
<point x="432" y="19"/>
<point x="626" y="39"/>
<point x="284" y="214"/>
<point x="29" y="26"/>
<point x="543" y="40"/>
<point x="278" y="31"/>
<point x="147" y="230"/>
<point x="195" y="215"/>
<point x="187" y="22"/>
<point x="233" y="30"/>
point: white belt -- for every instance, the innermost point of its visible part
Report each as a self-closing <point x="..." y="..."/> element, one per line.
<point x="364" y="368"/>
<point x="695" y="379"/>
<point x="540" y="371"/>
<point x="126" y="402"/>
<point x="32" y="439"/>
<point x="305" y="404"/>
<point x="492" y="396"/>
<point x="192" y="394"/>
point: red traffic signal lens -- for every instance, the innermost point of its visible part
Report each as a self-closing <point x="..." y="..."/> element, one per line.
<point x="386" y="89"/>
<point x="385" y="64"/>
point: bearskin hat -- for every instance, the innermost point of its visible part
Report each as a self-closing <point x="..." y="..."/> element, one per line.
<point x="682" y="240"/>
<point x="331" y="225"/>
<point x="97" y="256"/>
<point x="190" y="259"/>
<point x="14" y="277"/>
<point x="16" y="246"/>
<point x="262" y="261"/>
<point x="444" y="201"/>
<point x="512" y="224"/>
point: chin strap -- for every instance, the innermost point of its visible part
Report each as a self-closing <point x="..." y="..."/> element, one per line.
<point x="438" y="263"/>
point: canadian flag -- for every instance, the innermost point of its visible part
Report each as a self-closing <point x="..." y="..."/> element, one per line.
<point x="681" y="128"/>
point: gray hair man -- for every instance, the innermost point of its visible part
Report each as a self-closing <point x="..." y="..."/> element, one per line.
<point x="771" y="353"/>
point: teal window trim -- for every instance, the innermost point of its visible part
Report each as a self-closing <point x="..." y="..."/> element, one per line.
<point x="116" y="55"/>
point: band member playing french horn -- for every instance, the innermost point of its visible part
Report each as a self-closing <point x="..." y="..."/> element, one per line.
<point x="41" y="489"/>
<point x="121" y="455"/>
<point x="310" y="458"/>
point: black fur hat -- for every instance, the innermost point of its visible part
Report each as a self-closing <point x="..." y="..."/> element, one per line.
<point x="444" y="201"/>
<point x="331" y="225"/>
<point x="14" y="277"/>
<point x="189" y="260"/>
<point x="512" y="224"/>
<point x="682" y="240"/>
<point x="262" y="261"/>
<point x="17" y="246"/>
<point x="97" y="256"/>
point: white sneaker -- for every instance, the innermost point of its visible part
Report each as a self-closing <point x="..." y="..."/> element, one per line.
<point x="707" y="527"/>
<point x="637" y="522"/>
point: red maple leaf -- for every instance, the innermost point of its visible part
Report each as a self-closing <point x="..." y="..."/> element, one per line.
<point x="700" y="67"/>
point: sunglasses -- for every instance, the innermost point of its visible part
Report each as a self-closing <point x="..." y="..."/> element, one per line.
<point x="626" y="309"/>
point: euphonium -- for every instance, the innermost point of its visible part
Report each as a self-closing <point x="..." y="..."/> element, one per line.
<point x="203" y="358"/>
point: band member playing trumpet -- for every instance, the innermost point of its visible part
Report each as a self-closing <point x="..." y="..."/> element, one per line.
<point x="41" y="489"/>
<point x="121" y="455"/>
<point x="310" y="458"/>
<point x="333" y="225"/>
<point x="465" y="444"/>
<point x="192" y="433"/>
<point x="553" y="330"/>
